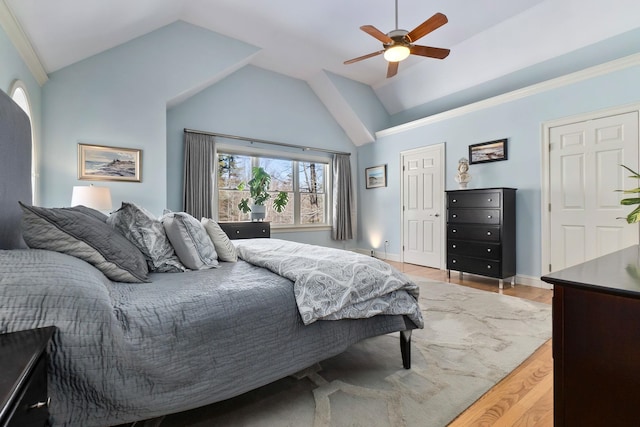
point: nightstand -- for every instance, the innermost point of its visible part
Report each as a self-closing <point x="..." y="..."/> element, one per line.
<point x="246" y="229"/>
<point x="24" y="399"/>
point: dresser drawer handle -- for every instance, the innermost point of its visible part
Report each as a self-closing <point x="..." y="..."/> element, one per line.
<point x="489" y="216"/>
<point x="454" y="201"/>
<point x="488" y="267"/>
<point x="454" y="216"/>
<point x="454" y="231"/>
<point x="489" y="250"/>
<point x="453" y="246"/>
<point x="237" y="231"/>
<point x="264" y="231"/>
<point x="41" y="404"/>
<point x="453" y="261"/>
<point x="489" y="200"/>
<point x="488" y="233"/>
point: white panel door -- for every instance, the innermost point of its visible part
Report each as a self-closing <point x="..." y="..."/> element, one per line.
<point x="422" y="206"/>
<point x="585" y="172"/>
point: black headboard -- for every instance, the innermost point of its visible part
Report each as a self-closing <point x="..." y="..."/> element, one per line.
<point x="15" y="170"/>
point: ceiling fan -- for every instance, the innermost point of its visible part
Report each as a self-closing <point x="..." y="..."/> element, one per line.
<point x="398" y="44"/>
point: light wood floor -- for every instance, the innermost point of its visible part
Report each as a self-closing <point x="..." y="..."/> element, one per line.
<point x="525" y="396"/>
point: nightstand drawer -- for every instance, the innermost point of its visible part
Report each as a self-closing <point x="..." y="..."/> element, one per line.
<point x="474" y="265"/>
<point x="246" y="230"/>
<point x="474" y="249"/>
<point x="485" y="233"/>
<point x="474" y="200"/>
<point x="473" y="216"/>
<point x="33" y="407"/>
<point x="24" y="397"/>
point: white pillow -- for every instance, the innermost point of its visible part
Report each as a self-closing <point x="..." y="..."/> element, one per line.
<point x="190" y="241"/>
<point x="225" y="249"/>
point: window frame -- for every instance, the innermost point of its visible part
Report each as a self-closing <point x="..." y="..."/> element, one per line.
<point x="285" y="155"/>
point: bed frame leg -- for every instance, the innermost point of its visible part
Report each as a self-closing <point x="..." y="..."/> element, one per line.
<point x="405" y="348"/>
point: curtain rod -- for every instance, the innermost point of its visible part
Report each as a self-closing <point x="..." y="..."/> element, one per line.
<point x="264" y="141"/>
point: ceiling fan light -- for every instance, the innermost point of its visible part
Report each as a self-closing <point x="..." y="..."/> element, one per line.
<point x="396" y="53"/>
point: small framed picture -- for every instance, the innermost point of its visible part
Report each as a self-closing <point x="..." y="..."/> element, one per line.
<point x="492" y="151"/>
<point x="102" y="163"/>
<point x="376" y="176"/>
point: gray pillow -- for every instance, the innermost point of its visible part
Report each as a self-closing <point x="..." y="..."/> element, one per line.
<point x="76" y="233"/>
<point x="190" y="241"/>
<point x="146" y="232"/>
<point x="225" y="249"/>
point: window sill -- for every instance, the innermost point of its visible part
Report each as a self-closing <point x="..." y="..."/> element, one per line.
<point x="298" y="228"/>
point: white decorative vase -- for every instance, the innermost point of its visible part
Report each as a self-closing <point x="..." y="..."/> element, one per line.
<point x="258" y="212"/>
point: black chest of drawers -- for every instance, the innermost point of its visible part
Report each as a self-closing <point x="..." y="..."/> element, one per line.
<point x="24" y="400"/>
<point x="246" y="229"/>
<point x="481" y="232"/>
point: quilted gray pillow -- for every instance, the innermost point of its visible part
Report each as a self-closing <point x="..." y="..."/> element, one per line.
<point x="190" y="241"/>
<point x="225" y="249"/>
<point x="74" y="232"/>
<point x="146" y="232"/>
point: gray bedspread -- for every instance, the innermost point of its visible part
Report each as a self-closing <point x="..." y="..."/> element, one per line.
<point x="126" y="352"/>
<point x="332" y="284"/>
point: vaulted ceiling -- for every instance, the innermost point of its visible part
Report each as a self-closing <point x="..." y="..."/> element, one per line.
<point x="488" y="38"/>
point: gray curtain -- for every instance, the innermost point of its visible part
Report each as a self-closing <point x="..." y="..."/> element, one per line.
<point x="342" y="228"/>
<point x="199" y="155"/>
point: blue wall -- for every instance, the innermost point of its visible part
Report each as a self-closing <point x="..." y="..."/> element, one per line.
<point x="256" y="103"/>
<point x="521" y="122"/>
<point x="119" y="98"/>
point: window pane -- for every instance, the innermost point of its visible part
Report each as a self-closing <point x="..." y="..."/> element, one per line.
<point x="312" y="208"/>
<point x="284" y="217"/>
<point x="228" y="201"/>
<point x="281" y="171"/>
<point x="311" y="177"/>
<point x="232" y="170"/>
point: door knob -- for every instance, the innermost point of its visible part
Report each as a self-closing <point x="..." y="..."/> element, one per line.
<point x="437" y="215"/>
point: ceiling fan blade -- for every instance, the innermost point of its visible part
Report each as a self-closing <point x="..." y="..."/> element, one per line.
<point x="392" y="69"/>
<point x="373" y="31"/>
<point x="433" y="23"/>
<point x="431" y="52"/>
<point x="360" y="58"/>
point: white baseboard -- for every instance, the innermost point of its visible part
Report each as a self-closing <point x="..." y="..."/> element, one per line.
<point x="521" y="279"/>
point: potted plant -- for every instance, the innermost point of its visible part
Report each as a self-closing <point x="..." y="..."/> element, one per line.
<point x="258" y="191"/>
<point x="634" y="216"/>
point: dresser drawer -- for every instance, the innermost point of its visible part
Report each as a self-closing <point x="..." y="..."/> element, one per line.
<point x="474" y="200"/>
<point x="485" y="233"/>
<point x="246" y="230"/>
<point x="474" y="216"/>
<point x="480" y="266"/>
<point x="474" y="249"/>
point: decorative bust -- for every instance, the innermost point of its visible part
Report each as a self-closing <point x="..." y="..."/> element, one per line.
<point x="463" y="176"/>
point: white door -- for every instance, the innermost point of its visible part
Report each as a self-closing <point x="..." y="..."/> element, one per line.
<point x="422" y="199"/>
<point x="585" y="172"/>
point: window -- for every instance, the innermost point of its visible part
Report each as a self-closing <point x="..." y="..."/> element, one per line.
<point x="305" y="181"/>
<point x="18" y="93"/>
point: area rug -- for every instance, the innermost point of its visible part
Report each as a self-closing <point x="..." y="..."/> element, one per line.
<point x="472" y="339"/>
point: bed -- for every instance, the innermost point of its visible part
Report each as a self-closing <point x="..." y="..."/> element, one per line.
<point x="125" y="351"/>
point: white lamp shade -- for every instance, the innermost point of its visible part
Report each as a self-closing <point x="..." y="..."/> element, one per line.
<point x="98" y="198"/>
<point x="396" y="53"/>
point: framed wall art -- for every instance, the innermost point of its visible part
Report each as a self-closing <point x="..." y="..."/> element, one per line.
<point x="492" y="151"/>
<point x="102" y="163"/>
<point x="376" y="176"/>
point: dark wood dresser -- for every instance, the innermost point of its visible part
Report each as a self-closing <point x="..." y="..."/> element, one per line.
<point x="24" y="397"/>
<point x="596" y="341"/>
<point x="246" y="229"/>
<point x="481" y="232"/>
